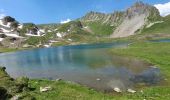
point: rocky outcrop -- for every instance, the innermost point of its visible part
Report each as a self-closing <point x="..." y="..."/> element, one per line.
<point x="112" y="19"/>
<point x="9" y="86"/>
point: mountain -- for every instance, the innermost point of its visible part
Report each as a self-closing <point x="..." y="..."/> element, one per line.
<point x="124" y="23"/>
<point x="135" y="18"/>
<point x="13" y="33"/>
<point x="139" y="18"/>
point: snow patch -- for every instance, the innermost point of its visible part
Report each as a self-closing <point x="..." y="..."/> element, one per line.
<point x="59" y="35"/>
<point x="8" y="24"/>
<point x="1" y="39"/>
<point x="33" y="35"/>
<point x="52" y="41"/>
<point x="70" y="39"/>
<point x="42" y="30"/>
<point x="20" y="26"/>
<point x="5" y="31"/>
<point x="86" y="27"/>
<point x="151" y="24"/>
<point x="13" y="35"/>
<point x="56" y="29"/>
<point x="47" y="46"/>
<point x="49" y="31"/>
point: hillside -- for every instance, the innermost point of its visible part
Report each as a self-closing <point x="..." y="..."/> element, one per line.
<point x="159" y="27"/>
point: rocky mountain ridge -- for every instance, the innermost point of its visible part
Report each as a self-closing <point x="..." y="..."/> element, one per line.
<point x="127" y="22"/>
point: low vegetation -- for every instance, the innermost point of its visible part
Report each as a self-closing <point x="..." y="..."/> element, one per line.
<point x="159" y="27"/>
<point x="155" y="53"/>
<point x="2" y="49"/>
<point x="100" y="29"/>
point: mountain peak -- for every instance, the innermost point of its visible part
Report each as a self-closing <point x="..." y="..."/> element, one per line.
<point x="139" y="3"/>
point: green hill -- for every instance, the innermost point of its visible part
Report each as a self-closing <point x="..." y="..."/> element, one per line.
<point x="163" y="27"/>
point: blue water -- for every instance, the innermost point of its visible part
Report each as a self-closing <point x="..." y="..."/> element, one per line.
<point x="161" y="40"/>
<point x="90" y="65"/>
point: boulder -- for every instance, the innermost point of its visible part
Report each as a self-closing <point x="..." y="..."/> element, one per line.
<point x="45" y="89"/>
<point x="131" y="91"/>
<point x="117" y="89"/>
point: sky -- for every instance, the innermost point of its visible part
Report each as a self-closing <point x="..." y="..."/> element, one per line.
<point x="61" y="11"/>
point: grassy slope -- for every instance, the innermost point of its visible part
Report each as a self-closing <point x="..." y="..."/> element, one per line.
<point x="160" y="27"/>
<point x="100" y="29"/>
<point x="67" y="91"/>
<point x="2" y="49"/>
<point x="156" y="53"/>
<point x="6" y="50"/>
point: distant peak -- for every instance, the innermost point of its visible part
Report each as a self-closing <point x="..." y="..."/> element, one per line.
<point x="139" y="3"/>
<point x="93" y="12"/>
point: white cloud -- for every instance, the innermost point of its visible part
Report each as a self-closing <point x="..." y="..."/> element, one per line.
<point x="2" y="13"/>
<point x="2" y="16"/>
<point x="2" y="10"/>
<point x="65" y="21"/>
<point x="164" y="9"/>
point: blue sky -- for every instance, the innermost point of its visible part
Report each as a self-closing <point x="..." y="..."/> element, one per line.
<point x="54" y="11"/>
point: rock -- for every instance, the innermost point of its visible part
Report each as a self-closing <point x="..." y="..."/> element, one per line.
<point x="69" y="39"/>
<point x="46" y="46"/>
<point x="45" y="89"/>
<point x="131" y="91"/>
<point x="17" y="97"/>
<point x="116" y="89"/>
<point x="98" y="79"/>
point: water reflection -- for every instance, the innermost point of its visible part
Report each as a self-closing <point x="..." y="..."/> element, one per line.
<point x="83" y="64"/>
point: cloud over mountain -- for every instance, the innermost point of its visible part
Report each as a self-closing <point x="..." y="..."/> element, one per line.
<point x="164" y="9"/>
<point x="65" y="21"/>
<point x="2" y="13"/>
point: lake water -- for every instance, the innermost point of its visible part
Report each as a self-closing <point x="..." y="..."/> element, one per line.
<point x="161" y="40"/>
<point x="89" y="65"/>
